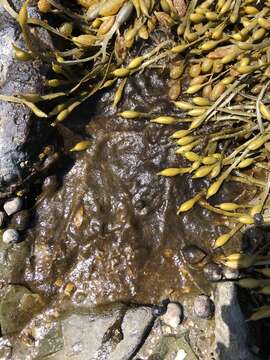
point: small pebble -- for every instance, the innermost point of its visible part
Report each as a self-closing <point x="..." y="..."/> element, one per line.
<point x="13" y="205"/>
<point x="50" y="184"/>
<point x="2" y="218"/>
<point x="158" y="310"/>
<point x="212" y="272"/>
<point x="193" y="254"/>
<point x="173" y="315"/>
<point x="258" y="219"/>
<point x="181" y="355"/>
<point x="203" y="307"/>
<point x="20" y="221"/>
<point x="10" y="236"/>
<point x="230" y="274"/>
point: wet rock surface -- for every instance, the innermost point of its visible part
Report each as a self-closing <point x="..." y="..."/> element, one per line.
<point x="105" y="231"/>
<point x="231" y="331"/>
<point x="111" y="228"/>
<point x="21" y="138"/>
<point x="96" y="339"/>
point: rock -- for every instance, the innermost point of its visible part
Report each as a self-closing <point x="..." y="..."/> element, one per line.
<point x="10" y="236"/>
<point x="5" y="349"/>
<point x="258" y="219"/>
<point x="13" y="205"/>
<point x="203" y="307"/>
<point x="173" y="315"/>
<point x="12" y="261"/>
<point x="212" y="272"/>
<point x="159" y="310"/>
<point x="230" y="274"/>
<point x="135" y="325"/>
<point x="193" y="254"/>
<point x="231" y="331"/>
<point x="2" y="218"/>
<point x="85" y="335"/>
<point x="20" y="139"/>
<point x="167" y="347"/>
<point x="21" y="220"/>
<point x="115" y="335"/>
<point x="50" y="184"/>
<point x="17" y="306"/>
<point x="48" y="340"/>
<point x="127" y="211"/>
<point x="181" y="355"/>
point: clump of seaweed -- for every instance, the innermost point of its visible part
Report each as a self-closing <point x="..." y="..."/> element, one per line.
<point x="219" y="63"/>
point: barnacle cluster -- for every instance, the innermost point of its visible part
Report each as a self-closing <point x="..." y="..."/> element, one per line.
<point x="218" y="55"/>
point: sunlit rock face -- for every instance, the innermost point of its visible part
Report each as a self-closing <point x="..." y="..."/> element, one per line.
<point x="21" y="138"/>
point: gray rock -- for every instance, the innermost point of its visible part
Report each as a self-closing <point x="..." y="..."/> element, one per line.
<point x="134" y="327"/>
<point x="203" y="307"/>
<point x="86" y="337"/>
<point x="13" y="205"/>
<point x="16" y="77"/>
<point x="231" y="331"/>
<point x="10" y="236"/>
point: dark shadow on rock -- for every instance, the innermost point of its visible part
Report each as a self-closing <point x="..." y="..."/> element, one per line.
<point x="237" y="337"/>
<point x="233" y="340"/>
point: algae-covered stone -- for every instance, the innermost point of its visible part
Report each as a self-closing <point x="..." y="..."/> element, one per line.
<point x="12" y="261"/>
<point x="17" y="306"/>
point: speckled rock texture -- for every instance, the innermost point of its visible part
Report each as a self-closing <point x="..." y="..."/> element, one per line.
<point x="18" y="132"/>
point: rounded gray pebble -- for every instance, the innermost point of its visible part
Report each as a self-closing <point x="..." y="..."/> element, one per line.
<point x="10" y="236"/>
<point x="203" y="307"/>
<point x="13" y="205"/>
<point x="212" y="272"/>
